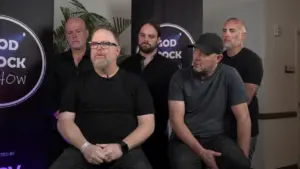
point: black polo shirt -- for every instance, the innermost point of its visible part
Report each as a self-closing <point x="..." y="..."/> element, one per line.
<point x="107" y="109"/>
<point x="249" y="66"/>
<point x="61" y="71"/>
<point x="157" y="74"/>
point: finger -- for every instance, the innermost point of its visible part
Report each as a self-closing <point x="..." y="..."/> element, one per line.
<point x="93" y="161"/>
<point x="214" y="153"/>
<point x="102" y="156"/>
<point x="98" y="160"/>
<point x="102" y="145"/>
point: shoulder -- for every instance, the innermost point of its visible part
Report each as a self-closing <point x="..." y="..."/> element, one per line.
<point x="130" y="78"/>
<point x="251" y="55"/>
<point x="182" y="74"/>
<point x="129" y="59"/>
<point x="227" y="70"/>
<point x="166" y="62"/>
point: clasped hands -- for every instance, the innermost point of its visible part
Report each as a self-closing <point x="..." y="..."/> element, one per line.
<point x="102" y="153"/>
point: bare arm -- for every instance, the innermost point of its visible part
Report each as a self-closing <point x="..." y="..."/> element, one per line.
<point x="142" y="132"/>
<point x="241" y="114"/>
<point x="251" y="90"/>
<point x="176" y="109"/>
<point x="69" y="130"/>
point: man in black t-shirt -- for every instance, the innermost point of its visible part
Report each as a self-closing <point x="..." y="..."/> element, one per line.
<point x="107" y="113"/>
<point x="198" y="101"/>
<point x="62" y="68"/>
<point x="156" y="71"/>
<point x="249" y="66"/>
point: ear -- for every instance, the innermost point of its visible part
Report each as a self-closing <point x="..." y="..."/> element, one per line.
<point x="118" y="49"/>
<point x="243" y="35"/>
<point x="219" y="57"/>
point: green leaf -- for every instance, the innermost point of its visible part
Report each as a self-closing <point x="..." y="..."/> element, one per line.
<point x="121" y="24"/>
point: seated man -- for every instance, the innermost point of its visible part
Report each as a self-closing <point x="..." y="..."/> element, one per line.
<point x="198" y="99"/>
<point x="106" y="114"/>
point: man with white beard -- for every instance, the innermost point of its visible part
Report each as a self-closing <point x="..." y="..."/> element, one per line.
<point x="105" y="114"/>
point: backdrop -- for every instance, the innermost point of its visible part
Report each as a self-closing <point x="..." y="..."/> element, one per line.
<point x="181" y="23"/>
<point x="25" y="45"/>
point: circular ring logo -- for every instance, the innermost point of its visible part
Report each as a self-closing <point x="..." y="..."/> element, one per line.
<point x="173" y="43"/>
<point x="22" y="62"/>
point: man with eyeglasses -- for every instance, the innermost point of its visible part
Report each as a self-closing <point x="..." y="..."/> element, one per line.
<point x="62" y="68"/>
<point x="105" y="114"/>
<point x="157" y="71"/>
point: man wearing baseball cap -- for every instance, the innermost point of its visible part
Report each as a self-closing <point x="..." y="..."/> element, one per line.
<point x="199" y="97"/>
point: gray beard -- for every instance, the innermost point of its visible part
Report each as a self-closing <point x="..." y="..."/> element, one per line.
<point x="102" y="64"/>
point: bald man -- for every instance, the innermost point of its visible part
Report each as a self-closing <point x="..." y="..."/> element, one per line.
<point x="64" y="67"/>
<point x="249" y="65"/>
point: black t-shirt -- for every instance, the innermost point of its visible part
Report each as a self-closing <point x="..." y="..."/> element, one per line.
<point x="107" y="109"/>
<point x="249" y="66"/>
<point x="62" y="70"/>
<point x="206" y="101"/>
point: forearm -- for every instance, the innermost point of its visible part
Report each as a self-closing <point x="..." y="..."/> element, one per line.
<point x="71" y="133"/>
<point x="139" y="135"/>
<point x="185" y="135"/>
<point x="244" y="134"/>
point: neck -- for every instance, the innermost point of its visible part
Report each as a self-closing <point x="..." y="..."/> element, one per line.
<point x="206" y="74"/>
<point x="108" y="71"/>
<point x="148" y="55"/>
<point x="78" y="54"/>
<point x="234" y="51"/>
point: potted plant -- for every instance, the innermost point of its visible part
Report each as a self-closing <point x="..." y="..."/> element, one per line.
<point x="91" y="20"/>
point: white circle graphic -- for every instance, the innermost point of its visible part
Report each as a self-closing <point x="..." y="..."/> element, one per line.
<point x="42" y="53"/>
<point x="181" y="29"/>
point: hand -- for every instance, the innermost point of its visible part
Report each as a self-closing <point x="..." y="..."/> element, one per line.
<point x="208" y="156"/>
<point x="112" y="151"/>
<point x="94" y="154"/>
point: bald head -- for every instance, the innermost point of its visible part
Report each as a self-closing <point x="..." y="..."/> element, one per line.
<point x="234" y="33"/>
<point x="76" y="33"/>
<point x="239" y="23"/>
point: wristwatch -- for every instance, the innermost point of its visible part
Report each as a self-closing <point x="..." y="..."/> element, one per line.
<point x="124" y="147"/>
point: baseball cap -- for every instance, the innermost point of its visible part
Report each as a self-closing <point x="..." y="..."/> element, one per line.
<point x="209" y="43"/>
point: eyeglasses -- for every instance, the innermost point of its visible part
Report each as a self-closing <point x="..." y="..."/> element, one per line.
<point x="103" y="45"/>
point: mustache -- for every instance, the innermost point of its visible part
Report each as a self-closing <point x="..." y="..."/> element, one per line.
<point x="146" y="43"/>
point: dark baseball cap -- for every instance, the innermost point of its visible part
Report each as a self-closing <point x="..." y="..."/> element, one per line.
<point x="209" y="43"/>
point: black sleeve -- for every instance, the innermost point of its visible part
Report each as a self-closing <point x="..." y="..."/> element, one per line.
<point x="143" y="99"/>
<point x="51" y="86"/>
<point x="254" y="71"/>
<point x="236" y="89"/>
<point x="176" y="87"/>
<point x="70" y="97"/>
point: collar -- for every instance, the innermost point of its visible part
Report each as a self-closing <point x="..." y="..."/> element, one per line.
<point x="86" y="54"/>
<point x="156" y="55"/>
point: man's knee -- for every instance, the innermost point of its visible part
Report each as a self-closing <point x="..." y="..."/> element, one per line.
<point x="180" y="161"/>
<point x="135" y="159"/>
<point x="69" y="159"/>
<point x="237" y="161"/>
<point x="182" y="156"/>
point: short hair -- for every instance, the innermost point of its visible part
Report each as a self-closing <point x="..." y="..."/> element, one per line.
<point x="108" y="28"/>
<point x="239" y="21"/>
<point x="154" y="24"/>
